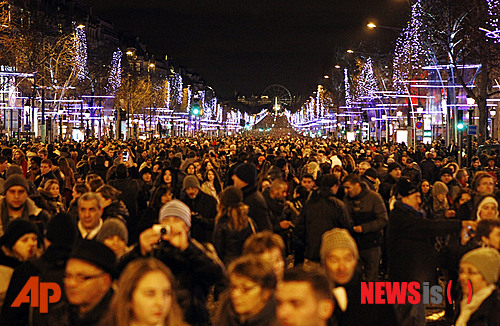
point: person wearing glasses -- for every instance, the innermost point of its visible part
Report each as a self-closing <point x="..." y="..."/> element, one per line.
<point x="478" y="273"/>
<point x="250" y="298"/>
<point x="87" y="285"/>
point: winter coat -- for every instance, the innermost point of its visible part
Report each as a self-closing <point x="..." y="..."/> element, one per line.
<point x="194" y="270"/>
<point x="386" y="185"/>
<point x="228" y="242"/>
<point x="116" y="209"/>
<point x="31" y="212"/>
<point x="410" y="243"/>
<point x="226" y="316"/>
<point x="50" y="267"/>
<point x="258" y="209"/>
<point x="275" y="210"/>
<point x="362" y="314"/>
<point x="56" y="204"/>
<point x="488" y="313"/>
<point x="322" y="212"/>
<point x="7" y="265"/>
<point x="64" y="314"/>
<point x="204" y="210"/>
<point x="368" y="210"/>
<point x="129" y="190"/>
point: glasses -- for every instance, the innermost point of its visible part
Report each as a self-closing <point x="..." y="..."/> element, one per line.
<point x="80" y="278"/>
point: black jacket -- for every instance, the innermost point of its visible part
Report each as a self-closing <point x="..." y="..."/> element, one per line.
<point x="488" y="313"/>
<point x="368" y="210"/>
<point x="258" y="209"/>
<point x="410" y="243"/>
<point x="362" y="314"/>
<point x="322" y="212"/>
<point x="226" y="316"/>
<point x="204" y="210"/>
<point x="228" y="242"/>
<point x="65" y="314"/>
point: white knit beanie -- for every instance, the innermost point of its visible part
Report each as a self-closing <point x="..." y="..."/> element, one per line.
<point x="486" y="200"/>
<point x="176" y="208"/>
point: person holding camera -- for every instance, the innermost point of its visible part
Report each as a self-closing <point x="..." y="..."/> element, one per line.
<point x="195" y="266"/>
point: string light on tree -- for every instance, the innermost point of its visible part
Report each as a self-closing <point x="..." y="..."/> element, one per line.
<point x="80" y="46"/>
<point x="175" y="81"/>
<point x="493" y="20"/>
<point x="347" y="86"/>
<point x="367" y="83"/>
<point x="410" y="54"/>
<point x="115" y="78"/>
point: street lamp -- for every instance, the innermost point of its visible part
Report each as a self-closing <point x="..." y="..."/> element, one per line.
<point x="373" y="26"/>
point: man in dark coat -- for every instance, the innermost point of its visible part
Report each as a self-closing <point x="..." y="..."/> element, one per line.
<point x="245" y="178"/>
<point x="322" y="212"/>
<point x="129" y="189"/>
<point x="203" y="209"/>
<point x="410" y="243"/>
<point x="389" y="181"/>
<point x="369" y="215"/>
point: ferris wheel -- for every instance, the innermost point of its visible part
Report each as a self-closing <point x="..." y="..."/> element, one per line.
<point x="279" y="95"/>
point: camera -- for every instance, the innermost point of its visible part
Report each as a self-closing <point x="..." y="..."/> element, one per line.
<point x="125" y="156"/>
<point x="162" y="229"/>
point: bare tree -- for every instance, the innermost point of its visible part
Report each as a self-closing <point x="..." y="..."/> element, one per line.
<point x="454" y="30"/>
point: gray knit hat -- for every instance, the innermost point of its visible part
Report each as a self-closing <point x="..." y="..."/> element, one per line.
<point x="486" y="260"/>
<point x="112" y="227"/>
<point x="190" y="181"/>
<point x="337" y="238"/>
<point x="15" y="180"/>
<point x="13" y="169"/>
<point x="176" y="208"/>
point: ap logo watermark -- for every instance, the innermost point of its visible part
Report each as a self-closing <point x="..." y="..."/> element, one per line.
<point x="36" y="293"/>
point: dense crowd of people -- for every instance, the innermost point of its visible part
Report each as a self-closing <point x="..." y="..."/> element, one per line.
<point x="245" y="231"/>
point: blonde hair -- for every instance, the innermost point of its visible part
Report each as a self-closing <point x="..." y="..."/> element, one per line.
<point x="237" y="215"/>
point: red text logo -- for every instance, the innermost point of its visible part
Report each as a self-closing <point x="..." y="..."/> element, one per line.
<point x="402" y="292"/>
<point x="37" y="294"/>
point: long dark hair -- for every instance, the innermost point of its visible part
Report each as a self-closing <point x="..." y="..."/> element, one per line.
<point x="217" y="183"/>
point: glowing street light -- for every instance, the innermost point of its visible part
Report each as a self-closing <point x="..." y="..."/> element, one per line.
<point x="337" y="66"/>
<point x="373" y="25"/>
<point x="80" y="26"/>
<point x="350" y="51"/>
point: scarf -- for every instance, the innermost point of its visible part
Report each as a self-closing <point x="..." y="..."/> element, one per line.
<point x="466" y="310"/>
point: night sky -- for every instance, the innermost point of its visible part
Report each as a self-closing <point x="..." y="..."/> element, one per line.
<point x="246" y="46"/>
